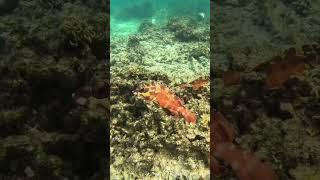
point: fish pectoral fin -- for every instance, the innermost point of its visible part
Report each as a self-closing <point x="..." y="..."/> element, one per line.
<point x="146" y="94"/>
<point x="175" y="114"/>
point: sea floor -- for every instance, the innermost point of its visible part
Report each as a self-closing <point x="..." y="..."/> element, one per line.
<point x="280" y="125"/>
<point x="147" y="141"/>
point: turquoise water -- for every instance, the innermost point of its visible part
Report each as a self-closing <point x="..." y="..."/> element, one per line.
<point x="127" y="15"/>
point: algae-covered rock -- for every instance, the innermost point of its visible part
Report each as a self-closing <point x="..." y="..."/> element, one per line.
<point x="51" y="4"/>
<point x="187" y="29"/>
<point x="301" y="7"/>
<point x="146" y="26"/>
<point x="199" y="50"/>
<point x="17" y="153"/>
<point x="44" y="132"/>
<point x="13" y="120"/>
<point x="77" y="34"/>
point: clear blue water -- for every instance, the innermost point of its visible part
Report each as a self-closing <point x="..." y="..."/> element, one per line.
<point x="127" y="15"/>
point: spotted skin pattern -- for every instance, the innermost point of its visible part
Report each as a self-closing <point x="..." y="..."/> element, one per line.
<point x="165" y="98"/>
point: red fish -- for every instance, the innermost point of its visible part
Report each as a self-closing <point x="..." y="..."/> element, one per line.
<point x="165" y="98"/>
<point x="246" y="165"/>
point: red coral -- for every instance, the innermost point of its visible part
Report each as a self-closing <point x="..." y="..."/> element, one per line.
<point x="166" y="99"/>
<point x="246" y="165"/>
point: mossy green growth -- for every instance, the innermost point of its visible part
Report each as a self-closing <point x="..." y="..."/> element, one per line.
<point x="77" y="33"/>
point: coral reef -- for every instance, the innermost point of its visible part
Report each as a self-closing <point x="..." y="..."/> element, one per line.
<point x="49" y="51"/>
<point x="264" y="76"/>
<point x="152" y="140"/>
<point x="263" y="113"/>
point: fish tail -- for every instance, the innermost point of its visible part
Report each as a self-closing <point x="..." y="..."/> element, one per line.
<point x="189" y="116"/>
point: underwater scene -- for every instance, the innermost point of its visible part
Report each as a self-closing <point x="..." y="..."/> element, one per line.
<point x="265" y="75"/>
<point x="159" y="63"/>
<point x="53" y="89"/>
